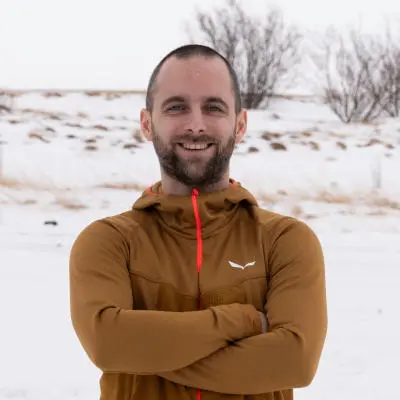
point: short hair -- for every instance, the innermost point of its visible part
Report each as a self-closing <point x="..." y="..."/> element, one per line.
<point x="186" y="52"/>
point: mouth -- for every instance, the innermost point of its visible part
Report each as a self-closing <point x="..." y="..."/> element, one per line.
<point x="195" y="147"/>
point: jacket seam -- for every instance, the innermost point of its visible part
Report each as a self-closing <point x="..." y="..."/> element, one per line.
<point x="157" y="282"/>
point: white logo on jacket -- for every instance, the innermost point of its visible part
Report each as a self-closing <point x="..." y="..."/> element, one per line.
<point x="238" y="266"/>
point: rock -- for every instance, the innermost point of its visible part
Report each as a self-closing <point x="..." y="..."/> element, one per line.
<point x="51" y="222"/>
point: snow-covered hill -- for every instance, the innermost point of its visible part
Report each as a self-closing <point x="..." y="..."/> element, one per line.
<point x="68" y="158"/>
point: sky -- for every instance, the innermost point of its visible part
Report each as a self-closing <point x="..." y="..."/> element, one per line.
<point x="115" y="44"/>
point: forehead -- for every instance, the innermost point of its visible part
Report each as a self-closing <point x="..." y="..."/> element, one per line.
<point x="194" y="77"/>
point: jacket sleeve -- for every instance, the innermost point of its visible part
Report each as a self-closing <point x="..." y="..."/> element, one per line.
<point x="287" y="356"/>
<point x="118" y="338"/>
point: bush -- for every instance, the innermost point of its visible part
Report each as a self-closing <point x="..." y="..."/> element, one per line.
<point x="263" y="51"/>
<point x="361" y="75"/>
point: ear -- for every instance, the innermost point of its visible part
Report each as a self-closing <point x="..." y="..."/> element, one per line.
<point x="241" y="125"/>
<point x="145" y="124"/>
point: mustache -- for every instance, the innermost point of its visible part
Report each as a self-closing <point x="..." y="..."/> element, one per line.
<point x="195" y="138"/>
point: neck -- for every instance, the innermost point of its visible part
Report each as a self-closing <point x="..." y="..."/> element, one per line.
<point x="174" y="187"/>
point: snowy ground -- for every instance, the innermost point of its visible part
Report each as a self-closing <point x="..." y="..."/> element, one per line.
<point x="351" y="197"/>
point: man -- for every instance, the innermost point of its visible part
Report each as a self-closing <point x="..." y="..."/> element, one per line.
<point x="170" y="299"/>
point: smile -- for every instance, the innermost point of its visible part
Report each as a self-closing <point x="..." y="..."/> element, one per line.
<point x="195" y="146"/>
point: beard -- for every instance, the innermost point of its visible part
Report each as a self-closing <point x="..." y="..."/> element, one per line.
<point x="194" y="172"/>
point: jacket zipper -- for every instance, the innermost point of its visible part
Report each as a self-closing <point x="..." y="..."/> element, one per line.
<point x="199" y="257"/>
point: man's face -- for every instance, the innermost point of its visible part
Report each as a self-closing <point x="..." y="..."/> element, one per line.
<point x="193" y="125"/>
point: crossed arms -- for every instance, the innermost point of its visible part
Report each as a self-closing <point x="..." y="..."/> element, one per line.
<point x="220" y="349"/>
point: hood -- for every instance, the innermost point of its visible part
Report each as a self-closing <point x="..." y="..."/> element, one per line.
<point x="216" y="209"/>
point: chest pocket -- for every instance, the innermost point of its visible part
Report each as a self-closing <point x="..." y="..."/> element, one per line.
<point x="162" y="296"/>
<point x="250" y="291"/>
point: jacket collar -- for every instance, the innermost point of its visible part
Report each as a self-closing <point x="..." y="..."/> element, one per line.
<point x="216" y="209"/>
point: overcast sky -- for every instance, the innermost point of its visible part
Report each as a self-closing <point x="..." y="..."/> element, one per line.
<point x="116" y="43"/>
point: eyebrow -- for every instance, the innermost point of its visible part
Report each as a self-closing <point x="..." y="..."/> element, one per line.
<point x="172" y="99"/>
<point x="217" y="100"/>
<point x="181" y="99"/>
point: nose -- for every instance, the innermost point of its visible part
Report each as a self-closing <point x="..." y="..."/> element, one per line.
<point x="195" y="122"/>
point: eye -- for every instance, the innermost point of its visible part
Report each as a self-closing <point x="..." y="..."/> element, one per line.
<point x="214" y="108"/>
<point x="176" y="107"/>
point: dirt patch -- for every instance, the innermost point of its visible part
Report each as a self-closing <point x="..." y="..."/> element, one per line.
<point x="341" y="145"/>
<point x="278" y="146"/>
<point x="130" y="146"/>
<point x="91" y="147"/>
<point x="101" y="128"/>
<point x="73" y="125"/>
<point x="271" y="135"/>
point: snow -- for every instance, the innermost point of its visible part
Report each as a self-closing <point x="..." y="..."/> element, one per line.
<point x="350" y="197"/>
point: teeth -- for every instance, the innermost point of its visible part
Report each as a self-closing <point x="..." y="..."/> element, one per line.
<point x="194" y="146"/>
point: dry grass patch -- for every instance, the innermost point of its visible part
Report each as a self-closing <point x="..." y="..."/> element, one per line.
<point x="94" y="93"/>
<point x="314" y="145"/>
<point x="100" y="128"/>
<point x="332" y="198"/>
<point x="10" y="183"/>
<point x="123" y="186"/>
<point x="20" y="184"/>
<point x="38" y="136"/>
<point x="52" y="94"/>
<point x="54" y="117"/>
<point x="69" y="204"/>
<point x="45" y="114"/>
<point x="138" y="136"/>
<point x="90" y="140"/>
<point x="5" y="108"/>
<point x="28" y="202"/>
<point x="15" y="199"/>
<point x="373" y="142"/>
<point x="91" y="147"/>
<point x="253" y="149"/>
<point x="382" y="202"/>
<point x="341" y="145"/>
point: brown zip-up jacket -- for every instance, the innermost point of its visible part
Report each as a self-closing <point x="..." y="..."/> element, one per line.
<point x="165" y="299"/>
